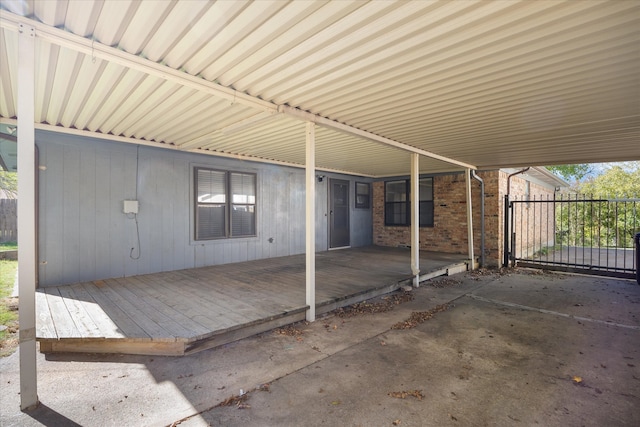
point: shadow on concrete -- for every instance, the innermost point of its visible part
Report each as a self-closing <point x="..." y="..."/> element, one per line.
<point x="50" y="418"/>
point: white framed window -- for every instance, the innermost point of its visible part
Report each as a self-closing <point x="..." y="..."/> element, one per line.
<point x="397" y="210"/>
<point x="225" y="204"/>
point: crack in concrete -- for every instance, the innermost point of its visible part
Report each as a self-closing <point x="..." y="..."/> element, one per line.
<point x="554" y="313"/>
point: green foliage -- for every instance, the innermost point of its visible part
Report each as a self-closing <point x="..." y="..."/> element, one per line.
<point x="8" y="307"/>
<point x="597" y="223"/>
<point x="571" y="172"/>
<point x="9" y="183"/>
<point x="621" y="180"/>
<point x="598" y="220"/>
<point x="8" y="246"/>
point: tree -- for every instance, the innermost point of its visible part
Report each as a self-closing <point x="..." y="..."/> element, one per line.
<point x="9" y="184"/>
<point x="620" y="180"/>
<point x="572" y="172"/>
<point x="606" y="210"/>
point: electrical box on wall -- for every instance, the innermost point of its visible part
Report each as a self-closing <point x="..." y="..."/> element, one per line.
<point x="130" y="206"/>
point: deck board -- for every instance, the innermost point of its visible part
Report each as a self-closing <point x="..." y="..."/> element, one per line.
<point x="181" y="297"/>
<point x="126" y="326"/>
<point x="62" y="321"/>
<point x="106" y="326"/>
<point x="180" y="312"/>
<point x="83" y="321"/>
<point x="44" y="322"/>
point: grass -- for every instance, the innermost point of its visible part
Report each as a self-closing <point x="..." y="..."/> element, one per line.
<point x="8" y="308"/>
<point x="546" y="251"/>
<point x="8" y="246"/>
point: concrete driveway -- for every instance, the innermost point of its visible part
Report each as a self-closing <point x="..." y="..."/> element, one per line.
<point x="524" y="348"/>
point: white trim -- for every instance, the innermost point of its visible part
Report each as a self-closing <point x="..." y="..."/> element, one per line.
<point x="467" y="181"/>
<point x="415" y="218"/>
<point x="325" y="122"/>
<point x="310" y="221"/>
<point x="131" y="140"/>
<point x="27" y="217"/>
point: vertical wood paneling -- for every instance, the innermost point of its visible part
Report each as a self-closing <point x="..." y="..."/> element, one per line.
<point x="84" y="234"/>
<point x="265" y="206"/>
<point x="296" y="212"/>
<point x="182" y="217"/>
<point x="50" y="211"/>
<point x="167" y="183"/>
<point x="119" y="238"/>
<point x="125" y="164"/>
<point x="87" y="209"/>
<point x="71" y="214"/>
<point x="281" y="214"/>
<point x="102" y="189"/>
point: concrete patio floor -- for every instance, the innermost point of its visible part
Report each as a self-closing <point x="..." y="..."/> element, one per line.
<point x="522" y="348"/>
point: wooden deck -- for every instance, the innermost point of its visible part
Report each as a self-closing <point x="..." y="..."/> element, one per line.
<point x="181" y="312"/>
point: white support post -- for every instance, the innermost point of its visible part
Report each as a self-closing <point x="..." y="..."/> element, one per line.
<point x="469" y="219"/>
<point x="415" y="218"/>
<point x="27" y="216"/>
<point x="310" y="220"/>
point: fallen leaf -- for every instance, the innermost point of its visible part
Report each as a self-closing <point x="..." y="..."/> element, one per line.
<point x="396" y="422"/>
<point x="403" y="394"/>
<point x="418" y="317"/>
<point x="577" y="379"/>
<point x="387" y="304"/>
<point x="336" y="402"/>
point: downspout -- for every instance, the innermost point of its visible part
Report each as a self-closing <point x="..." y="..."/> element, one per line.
<point x="506" y="216"/>
<point x="482" y="241"/>
<point x="511" y="176"/>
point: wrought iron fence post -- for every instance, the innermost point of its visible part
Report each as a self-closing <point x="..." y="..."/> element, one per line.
<point x="637" y="242"/>
<point x="506" y="232"/>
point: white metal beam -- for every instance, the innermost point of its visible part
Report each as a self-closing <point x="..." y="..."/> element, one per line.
<point x="415" y="218"/>
<point x="132" y="140"/>
<point x="310" y="221"/>
<point x="27" y="217"/>
<point x="469" y="219"/>
<point x="98" y="50"/>
<point x="323" y="121"/>
<point x="95" y="49"/>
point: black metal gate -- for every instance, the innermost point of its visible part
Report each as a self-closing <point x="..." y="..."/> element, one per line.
<point x="573" y="233"/>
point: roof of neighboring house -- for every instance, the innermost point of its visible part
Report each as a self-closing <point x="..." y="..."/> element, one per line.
<point x="467" y="84"/>
<point x="8" y="148"/>
<point x="541" y="175"/>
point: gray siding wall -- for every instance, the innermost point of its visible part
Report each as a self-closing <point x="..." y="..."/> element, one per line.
<point x="84" y="235"/>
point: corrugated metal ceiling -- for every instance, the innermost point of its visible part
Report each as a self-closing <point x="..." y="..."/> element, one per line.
<point x="490" y="83"/>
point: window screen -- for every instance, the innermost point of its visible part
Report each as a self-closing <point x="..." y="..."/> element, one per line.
<point x="363" y="195"/>
<point x="397" y="209"/>
<point x="225" y="204"/>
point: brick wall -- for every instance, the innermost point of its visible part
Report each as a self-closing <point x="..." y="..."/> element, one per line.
<point x="449" y="233"/>
<point x="534" y="222"/>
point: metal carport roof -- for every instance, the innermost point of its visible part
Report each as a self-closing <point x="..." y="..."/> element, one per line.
<point x="485" y="84"/>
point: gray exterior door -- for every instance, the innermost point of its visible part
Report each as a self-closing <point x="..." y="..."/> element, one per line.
<point x="339" y="231"/>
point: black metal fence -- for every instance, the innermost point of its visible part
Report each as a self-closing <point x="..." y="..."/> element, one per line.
<point x="574" y="233"/>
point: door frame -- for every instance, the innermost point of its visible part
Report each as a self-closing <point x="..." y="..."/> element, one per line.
<point x="330" y="212"/>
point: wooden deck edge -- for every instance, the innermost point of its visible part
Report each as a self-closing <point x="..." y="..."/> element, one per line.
<point x="328" y="306"/>
<point x="227" y="336"/>
<point x="445" y="271"/>
<point x="184" y="346"/>
<point x="113" y="346"/>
